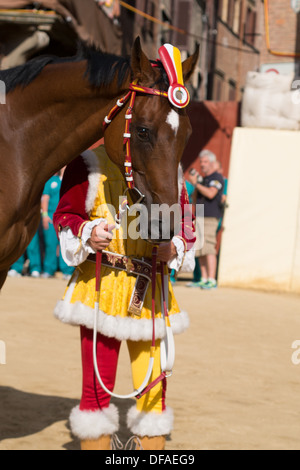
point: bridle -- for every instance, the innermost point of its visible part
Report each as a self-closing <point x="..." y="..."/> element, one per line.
<point x="130" y="96"/>
<point x="177" y="95"/>
<point x="167" y="343"/>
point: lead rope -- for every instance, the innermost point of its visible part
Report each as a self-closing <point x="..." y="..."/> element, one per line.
<point x="167" y="342"/>
<point x="140" y="390"/>
<point x="116" y="444"/>
<point x="166" y="371"/>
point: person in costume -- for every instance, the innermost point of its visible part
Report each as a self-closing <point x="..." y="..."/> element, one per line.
<point x="83" y="220"/>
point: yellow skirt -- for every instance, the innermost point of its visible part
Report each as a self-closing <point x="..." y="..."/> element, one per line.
<point x="78" y="305"/>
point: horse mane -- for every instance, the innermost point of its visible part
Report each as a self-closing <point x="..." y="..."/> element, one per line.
<point x="101" y="70"/>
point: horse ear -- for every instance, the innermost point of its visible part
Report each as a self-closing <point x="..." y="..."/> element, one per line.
<point x="189" y="65"/>
<point x="140" y="64"/>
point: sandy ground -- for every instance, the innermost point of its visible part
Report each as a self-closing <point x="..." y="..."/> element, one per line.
<point x="234" y="385"/>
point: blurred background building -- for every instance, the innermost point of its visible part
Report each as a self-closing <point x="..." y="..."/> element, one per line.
<point x="280" y="45"/>
<point x="235" y="36"/>
<point x="54" y="26"/>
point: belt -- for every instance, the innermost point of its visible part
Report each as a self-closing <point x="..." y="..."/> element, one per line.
<point x="137" y="267"/>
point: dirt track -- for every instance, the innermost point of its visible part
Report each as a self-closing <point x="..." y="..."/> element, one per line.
<point x="234" y="385"/>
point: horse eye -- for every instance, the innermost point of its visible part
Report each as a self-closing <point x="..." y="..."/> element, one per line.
<point x="143" y="133"/>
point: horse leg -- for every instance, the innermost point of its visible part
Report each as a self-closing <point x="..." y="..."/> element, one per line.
<point x="3" y="275"/>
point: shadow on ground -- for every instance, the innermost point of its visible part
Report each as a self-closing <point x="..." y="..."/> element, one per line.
<point x="23" y="414"/>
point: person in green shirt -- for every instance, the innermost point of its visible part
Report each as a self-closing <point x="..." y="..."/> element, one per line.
<point x="52" y="258"/>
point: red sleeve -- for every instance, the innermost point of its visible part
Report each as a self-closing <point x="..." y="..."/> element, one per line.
<point x="71" y="210"/>
<point x="187" y="225"/>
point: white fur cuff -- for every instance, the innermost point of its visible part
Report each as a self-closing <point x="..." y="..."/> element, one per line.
<point x="150" y="424"/>
<point x="121" y="328"/>
<point x="93" y="424"/>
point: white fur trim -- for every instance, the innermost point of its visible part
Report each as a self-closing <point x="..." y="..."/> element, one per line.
<point x="92" y="163"/>
<point x="93" y="424"/>
<point x="116" y="326"/>
<point x="150" y="424"/>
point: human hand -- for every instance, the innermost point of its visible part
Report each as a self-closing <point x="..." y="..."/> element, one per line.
<point x="46" y="222"/>
<point x="166" y="251"/>
<point x="101" y="236"/>
<point x="193" y="178"/>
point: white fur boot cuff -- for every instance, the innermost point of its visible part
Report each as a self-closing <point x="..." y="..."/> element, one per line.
<point x="150" y="424"/>
<point x="93" y="424"/>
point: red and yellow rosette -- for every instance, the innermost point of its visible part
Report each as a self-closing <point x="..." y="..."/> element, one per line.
<point x="171" y="59"/>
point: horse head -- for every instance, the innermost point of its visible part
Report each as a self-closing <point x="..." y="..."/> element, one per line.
<point x="159" y="132"/>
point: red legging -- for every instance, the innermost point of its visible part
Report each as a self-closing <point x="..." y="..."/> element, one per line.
<point x="93" y="396"/>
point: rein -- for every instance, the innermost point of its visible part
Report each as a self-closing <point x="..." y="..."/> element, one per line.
<point x="167" y="343"/>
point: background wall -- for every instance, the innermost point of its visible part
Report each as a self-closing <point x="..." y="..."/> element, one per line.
<point x="213" y="124"/>
<point x="261" y="239"/>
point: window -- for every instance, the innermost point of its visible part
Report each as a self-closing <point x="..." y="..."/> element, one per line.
<point x="237" y="17"/>
<point x="182" y="14"/>
<point x="230" y="13"/>
<point x="232" y="90"/>
<point x="218" y="86"/>
<point x="147" y="26"/>
<point x="250" y="26"/>
<point x="223" y="9"/>
<point x="295" y="5"/>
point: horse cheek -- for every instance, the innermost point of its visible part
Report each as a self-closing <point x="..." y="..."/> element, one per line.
<point x="114" y="145"/>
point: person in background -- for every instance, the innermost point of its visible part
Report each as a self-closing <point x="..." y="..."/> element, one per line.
<point x="209" y="193"/>
<point x="112" y="8"/>
<point x="52" y="258"/>
<point x="219" y="169"/>
<point x="33" y="253"/>
<point x="191" y="188"/>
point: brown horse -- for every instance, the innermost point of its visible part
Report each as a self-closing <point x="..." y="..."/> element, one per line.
<point x="54" y="111"/>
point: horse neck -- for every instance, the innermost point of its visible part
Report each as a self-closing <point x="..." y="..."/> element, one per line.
<point x="67" y="118"/>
